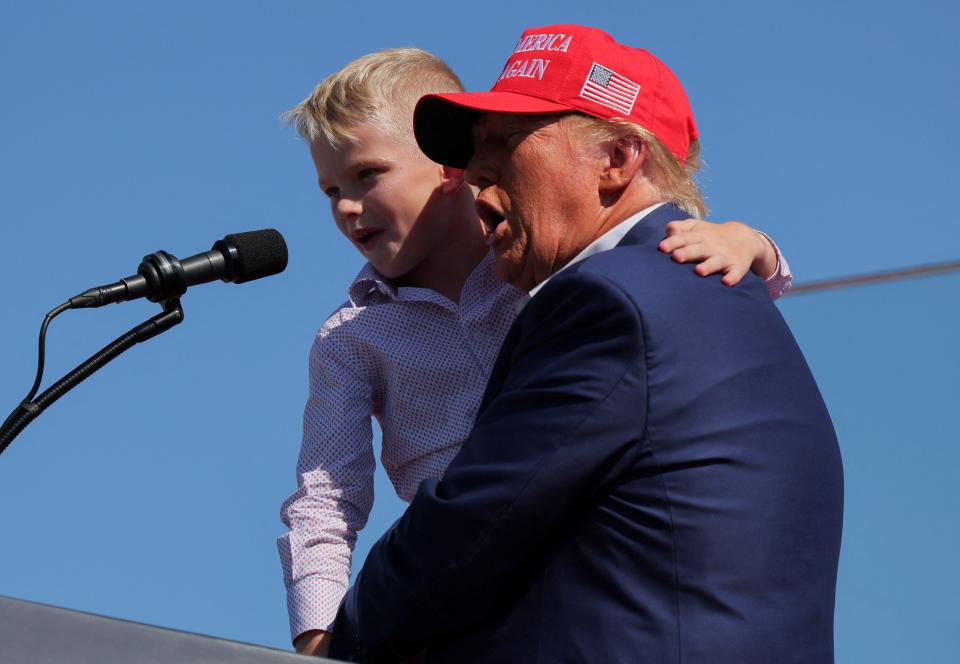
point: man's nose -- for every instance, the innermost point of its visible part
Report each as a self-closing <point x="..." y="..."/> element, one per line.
<point x="480" y="171"/>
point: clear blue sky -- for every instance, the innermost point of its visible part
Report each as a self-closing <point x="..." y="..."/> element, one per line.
<point x="152" y="491"/>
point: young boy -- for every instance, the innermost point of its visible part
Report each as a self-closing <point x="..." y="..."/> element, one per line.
<point x="415" y="342"/>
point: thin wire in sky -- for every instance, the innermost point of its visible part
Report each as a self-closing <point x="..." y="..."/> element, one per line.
<point x="875" y="277"/>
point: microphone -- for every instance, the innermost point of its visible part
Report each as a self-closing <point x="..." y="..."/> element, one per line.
<point x="237" y="258"/>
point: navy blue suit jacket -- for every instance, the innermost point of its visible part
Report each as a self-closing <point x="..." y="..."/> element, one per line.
<point x="652" y="477"/>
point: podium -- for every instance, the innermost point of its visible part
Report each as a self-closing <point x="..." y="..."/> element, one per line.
<point x="39" y="634"/>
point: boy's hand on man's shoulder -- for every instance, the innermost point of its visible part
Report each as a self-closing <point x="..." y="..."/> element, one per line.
<point x="732" y="248"/>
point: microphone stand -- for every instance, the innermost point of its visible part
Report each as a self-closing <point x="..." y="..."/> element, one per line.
<point x="29" y="410"/>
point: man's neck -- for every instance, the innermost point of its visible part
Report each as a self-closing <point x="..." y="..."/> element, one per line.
<point x="610" y="215"/>
<point x="632" y="201"/>
<point x="605" y="241"/>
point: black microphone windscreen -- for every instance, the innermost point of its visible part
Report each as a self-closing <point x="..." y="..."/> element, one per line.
<point x="259" y="254"/>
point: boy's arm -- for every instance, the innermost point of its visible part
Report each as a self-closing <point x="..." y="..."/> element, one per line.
<point x="732" y="248"/>
<point x="335" y="493"/>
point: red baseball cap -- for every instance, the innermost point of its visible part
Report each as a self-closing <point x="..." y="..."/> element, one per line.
<point x="558" y="69"/>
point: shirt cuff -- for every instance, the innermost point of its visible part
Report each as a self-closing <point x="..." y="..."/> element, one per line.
<point x="780" y="281"/>
<point x="312" y="603"/>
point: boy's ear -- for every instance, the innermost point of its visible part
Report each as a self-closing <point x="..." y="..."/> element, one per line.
<point x="452" y="180"/>
<point x="625" y="159"/>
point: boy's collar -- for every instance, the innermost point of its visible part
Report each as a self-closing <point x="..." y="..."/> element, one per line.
<point x="370" y="287"/>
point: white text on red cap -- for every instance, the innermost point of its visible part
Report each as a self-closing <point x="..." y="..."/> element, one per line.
<point x="548" y="42"/>
<point x="534" y="68"/>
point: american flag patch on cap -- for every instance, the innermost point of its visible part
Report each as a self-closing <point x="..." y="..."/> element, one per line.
<point x="608" y="88"/>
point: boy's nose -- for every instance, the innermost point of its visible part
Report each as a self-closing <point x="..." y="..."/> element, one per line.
<point x="348" y="209"/>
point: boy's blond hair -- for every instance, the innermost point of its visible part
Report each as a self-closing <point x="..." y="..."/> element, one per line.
<point x="379" y="88"/>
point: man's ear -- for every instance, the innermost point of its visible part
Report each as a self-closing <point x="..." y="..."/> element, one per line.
<point x="625" y="161"/>
<point x="451" y="180"/>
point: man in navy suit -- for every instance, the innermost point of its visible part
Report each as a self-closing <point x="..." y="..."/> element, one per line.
<point x="653" y="475"/>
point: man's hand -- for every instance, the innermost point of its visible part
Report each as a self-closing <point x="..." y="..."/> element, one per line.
<point x="732" y="248"/>
<point x="313" y="642"/>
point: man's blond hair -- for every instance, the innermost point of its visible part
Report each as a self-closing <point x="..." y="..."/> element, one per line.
<point x="379" y="88"/>
<point x="674" y="179"/>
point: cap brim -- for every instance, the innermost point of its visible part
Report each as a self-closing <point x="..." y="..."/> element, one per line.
<point x="443" y="123"/>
